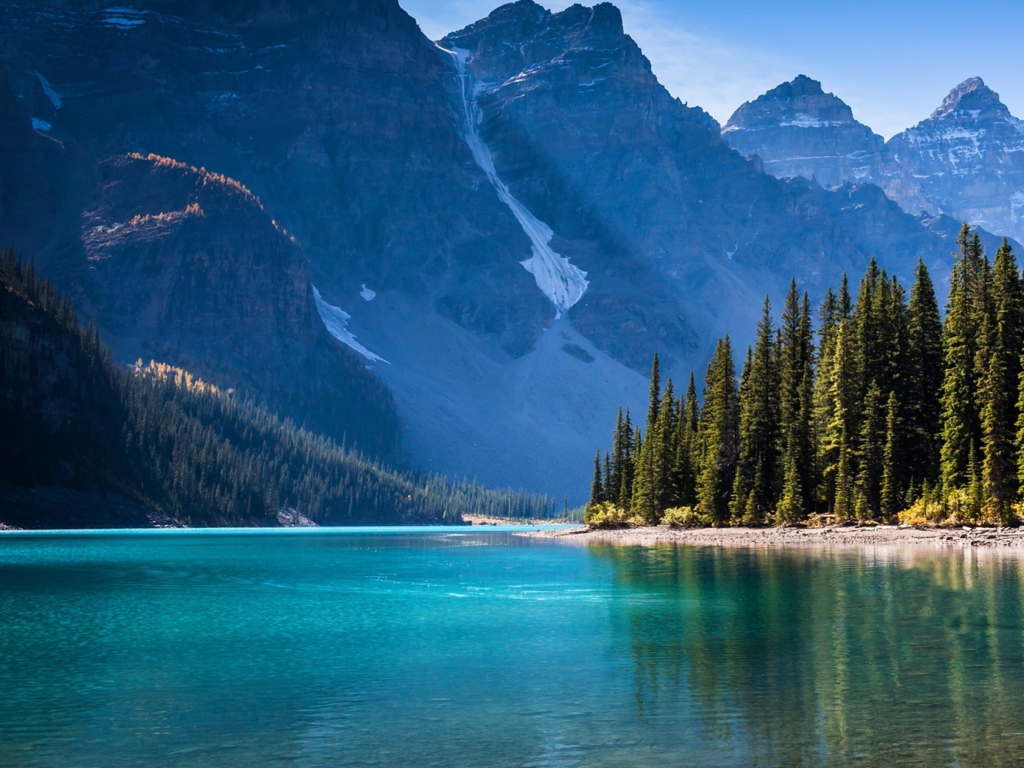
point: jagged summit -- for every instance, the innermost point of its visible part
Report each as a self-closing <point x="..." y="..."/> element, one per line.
<point x="968" y="158"/>
<point x="798" y="129"/>
<point x="523" y="41"/>
<point x="801" y="85"/>
<point x="524" y="35"/>
<point x="800" y="103"/>
<point x="529" y="16"/>
<point x="974" y="97"/>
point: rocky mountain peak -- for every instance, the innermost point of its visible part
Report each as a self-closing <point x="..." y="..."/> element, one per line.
<point x="968" y="158"/>
<point x="799" y="103"/>
<point x="799" y="87"/>
<point x="522" y="35"/>
<point x="972" y="97"/>
<point x="797" y="129"/>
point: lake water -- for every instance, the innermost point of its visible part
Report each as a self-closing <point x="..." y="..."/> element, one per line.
<point x="415" y="648"/>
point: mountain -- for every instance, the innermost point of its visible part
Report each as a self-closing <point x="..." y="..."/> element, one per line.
<point x="89" y="443"/>
<point x="185" y="266"/>
<point x="512" y="219"/>
<point x="965" y="161"/>
<point x="969" y="158"/>
<point x="797" y="129"/>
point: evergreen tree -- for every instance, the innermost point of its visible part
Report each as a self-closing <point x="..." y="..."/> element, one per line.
<point x="759" y="422"/>
<point x="618" y="459"/>
<point x="686" y="449"/>
<point x="998" y="389"/>
<point x="654" y="394"/>
<point x="924" y="374"/>
<point x="796" y="354"/>
<point x="829" y="317"/>
<point x="597" y="486"/>
<point x="871" y="453"/>
<point x="845" y="495"/>
<point x="960" y="420"/>
<point x="791" y="502"/>
<point x="630" y="444"/>
<point x="891" y="492"/>
<point x="606" y="484"/>
<point x="868" y="331"/>
<point x="667" y="450"/>
<point x="836" y="448"/>
<point x="718" y="434"/>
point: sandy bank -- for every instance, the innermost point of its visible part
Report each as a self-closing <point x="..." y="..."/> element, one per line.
<point x="830" y="536"/>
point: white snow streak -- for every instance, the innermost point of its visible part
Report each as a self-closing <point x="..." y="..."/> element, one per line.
<point x="803" y="120"/>
<point x="336" y="321"/>
<point x="53" y="96"/>
<point x="556" y="277"/>
<point x="366" y="293"/>
<point x="123" y="18"/>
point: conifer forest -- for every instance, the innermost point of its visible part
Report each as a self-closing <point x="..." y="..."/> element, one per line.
<point x="71" y="417"/>
<point x="871" y="408"/>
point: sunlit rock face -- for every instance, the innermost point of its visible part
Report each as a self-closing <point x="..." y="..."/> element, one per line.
<point x="336" y="114"/>
<point x="969" y="158"/>
<point x="797" y="129"/>
<point x="680" y="235"/>
<point x="184" y="266"/>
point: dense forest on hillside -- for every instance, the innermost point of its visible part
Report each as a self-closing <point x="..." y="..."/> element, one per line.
<point x="886" y="412"/>
<point x="154" y="434"/>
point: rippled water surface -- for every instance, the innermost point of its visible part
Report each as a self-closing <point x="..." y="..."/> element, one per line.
<point x="420" y="648"/>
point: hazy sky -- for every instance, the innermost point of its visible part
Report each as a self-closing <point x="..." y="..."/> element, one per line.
<point x="892" y="62"/>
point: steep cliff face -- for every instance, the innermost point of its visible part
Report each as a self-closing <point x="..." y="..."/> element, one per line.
<point x="969" y="158"/>
<point x="336" y="114"/>
<point x="799" y="130"/>
<point x="186" y="267"/>
<point x="680" y="235"/>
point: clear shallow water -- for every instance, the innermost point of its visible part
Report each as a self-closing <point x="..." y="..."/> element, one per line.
<point x="369" y="648"/>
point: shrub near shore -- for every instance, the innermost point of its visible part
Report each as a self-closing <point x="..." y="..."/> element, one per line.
<point x="885" y="413"/>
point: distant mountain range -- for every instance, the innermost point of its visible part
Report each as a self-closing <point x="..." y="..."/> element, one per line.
<point x="966" y="160"/>
<point x="504" y="225"/>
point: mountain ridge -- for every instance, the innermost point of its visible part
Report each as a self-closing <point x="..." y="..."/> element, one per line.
<point x="351" y="128"/>
<point x="961" y="161"/>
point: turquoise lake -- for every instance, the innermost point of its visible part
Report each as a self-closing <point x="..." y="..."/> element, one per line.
<point x="448" y="648"/>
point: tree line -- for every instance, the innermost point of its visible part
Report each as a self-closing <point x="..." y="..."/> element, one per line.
<point x="71" y="417"/>
<point x="884" y="411"/>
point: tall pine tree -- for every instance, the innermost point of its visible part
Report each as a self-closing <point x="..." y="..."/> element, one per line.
<point x="924" y="374"/>
<point x="961" y="331"/>
<point x="719" y="434"/>
<point x="759" y="422"/>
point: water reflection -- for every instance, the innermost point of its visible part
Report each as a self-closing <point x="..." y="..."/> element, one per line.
<point x="867" y="658"/>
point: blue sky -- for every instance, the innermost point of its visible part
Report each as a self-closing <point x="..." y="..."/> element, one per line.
<point x="893" y="62"/>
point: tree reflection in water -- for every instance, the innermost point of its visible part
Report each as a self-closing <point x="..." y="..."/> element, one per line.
<point x="876" y="657"/>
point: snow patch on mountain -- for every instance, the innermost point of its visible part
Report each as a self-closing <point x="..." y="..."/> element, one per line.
<point x="51" y="94"/>
<point x="1017" y="205"/>
<point x="123" y="18"/>
<point x="41" y="125"/>
<point x="803" y="120"/>
<point x="366" y="293"/>
<point x="555" y="275"/>
<point x="336" y="321"/>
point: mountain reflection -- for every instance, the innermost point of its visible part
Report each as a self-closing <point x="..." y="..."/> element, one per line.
<point x="877" y="657"/>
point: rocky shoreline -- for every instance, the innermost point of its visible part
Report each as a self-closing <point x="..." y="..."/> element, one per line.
<point x="827" y="536"/>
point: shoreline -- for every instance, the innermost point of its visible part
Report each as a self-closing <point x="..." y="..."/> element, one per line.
<point x="762" y="538"/>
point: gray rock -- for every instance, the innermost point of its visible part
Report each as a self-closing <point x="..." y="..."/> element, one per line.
<point x="969" y="159"/>
<point x="797" y="129"/>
